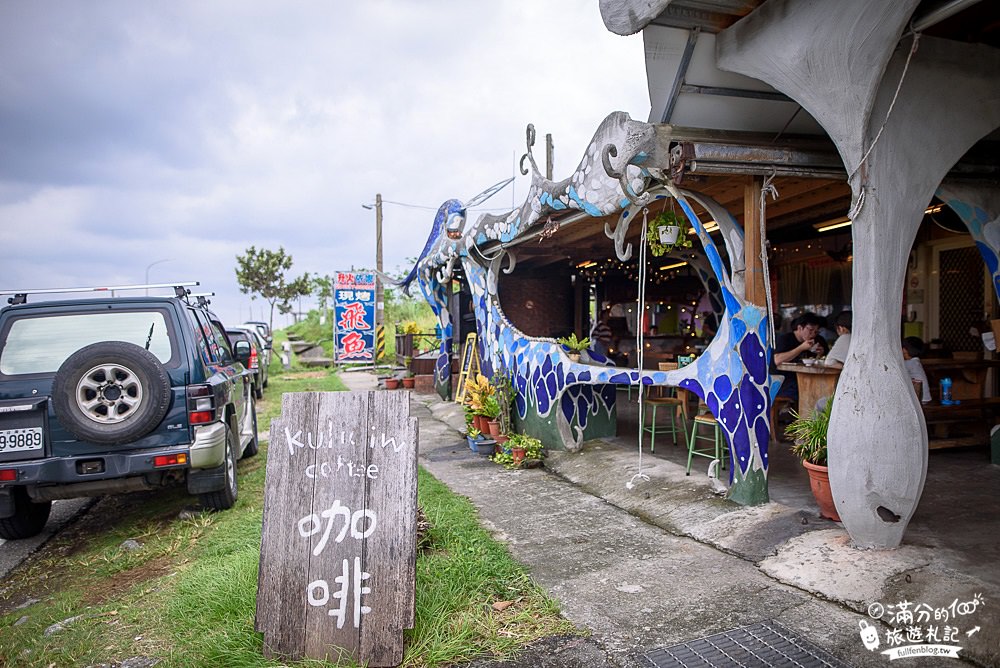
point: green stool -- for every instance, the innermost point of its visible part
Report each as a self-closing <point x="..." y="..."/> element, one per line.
<point x="717" y="451"/>
<point x="676" y="416"/>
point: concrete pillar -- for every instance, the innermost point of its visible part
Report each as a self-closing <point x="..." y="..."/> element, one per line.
<point x="841" y="62"/>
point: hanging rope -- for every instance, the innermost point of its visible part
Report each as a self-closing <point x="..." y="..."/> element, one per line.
<point x="856" y="209"/>
<point x="768" y="188"/>
<point x="640" y="338"/>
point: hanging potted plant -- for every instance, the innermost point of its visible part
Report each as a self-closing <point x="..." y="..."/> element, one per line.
<point x="574" y="346"/>
<point x="809" y="445"/>
<point x="667" y="232"/>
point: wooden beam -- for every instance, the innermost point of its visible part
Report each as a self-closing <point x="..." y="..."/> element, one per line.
<point x="755" y="293"/>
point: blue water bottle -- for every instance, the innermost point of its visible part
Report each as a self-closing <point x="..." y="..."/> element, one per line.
<point x="946" y="391"/>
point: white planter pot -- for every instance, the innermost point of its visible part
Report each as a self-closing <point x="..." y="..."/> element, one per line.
<point x="669" y="234"/>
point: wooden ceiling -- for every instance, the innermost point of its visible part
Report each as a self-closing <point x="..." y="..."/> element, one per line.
<point x="802" y="203"/>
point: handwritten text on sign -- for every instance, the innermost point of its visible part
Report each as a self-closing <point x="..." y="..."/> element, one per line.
<point x="338" y="547"/>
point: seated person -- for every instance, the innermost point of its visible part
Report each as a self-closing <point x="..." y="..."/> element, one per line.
<point x="838" y="354"/>
<point x="913" y="348"/>
<point x="601" y="336"/>
<point x="793" y="345"/>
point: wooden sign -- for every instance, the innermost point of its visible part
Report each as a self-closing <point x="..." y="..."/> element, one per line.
<point x="338" y="550"/>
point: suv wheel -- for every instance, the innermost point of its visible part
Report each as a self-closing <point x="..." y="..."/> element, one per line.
<point x="29" y="518"/>
<point x="111" y="392"/>
<point x="225" y="498"/>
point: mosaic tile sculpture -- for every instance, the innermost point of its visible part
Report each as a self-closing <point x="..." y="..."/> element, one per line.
<point x="567" y="402"/>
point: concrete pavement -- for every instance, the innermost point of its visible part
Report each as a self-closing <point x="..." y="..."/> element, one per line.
<point x="668" y="561"/>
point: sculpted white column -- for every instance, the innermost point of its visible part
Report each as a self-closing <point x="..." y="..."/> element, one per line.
<point x="830" y="57"/>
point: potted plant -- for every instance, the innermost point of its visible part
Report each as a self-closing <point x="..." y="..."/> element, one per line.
<point x="666" y="232"/>
<point x="391" y="383"/>
<point x="409" y="380"/>
<point x="477" y="390"/>
<point x="472" y="436"/>
<point x="574" y="346"/>
<point x="809" y="445"/>
<point x="532" y="448"/>
<point x="503" y="389"/>
<point x="491" y="411"/>
<point x="517" y="442"/>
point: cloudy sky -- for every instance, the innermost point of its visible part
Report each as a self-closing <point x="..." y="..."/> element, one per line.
<point x="177" y="134"/>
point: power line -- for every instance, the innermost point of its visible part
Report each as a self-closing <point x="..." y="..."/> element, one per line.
<point x="434" y="208"/>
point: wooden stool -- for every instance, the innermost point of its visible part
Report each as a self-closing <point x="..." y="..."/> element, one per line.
<point x="779" y="403"/>
<point x="676" y="415"/>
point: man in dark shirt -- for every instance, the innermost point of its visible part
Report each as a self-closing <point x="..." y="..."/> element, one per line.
<point x="600" y="335"/>
<point x="791" y="346"/>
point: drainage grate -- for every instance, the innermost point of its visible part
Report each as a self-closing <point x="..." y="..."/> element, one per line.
<point x="760" y="645"/>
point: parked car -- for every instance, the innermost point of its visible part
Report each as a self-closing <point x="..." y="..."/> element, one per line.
<point x="255" y="362"/>
<point x="265" y="356"/>
<point x="263" y="329"/>
<point x="106" y="395"/>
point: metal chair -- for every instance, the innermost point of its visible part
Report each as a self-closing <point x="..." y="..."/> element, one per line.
<point x="718" y="449"/>
<point x="678" y="425"/>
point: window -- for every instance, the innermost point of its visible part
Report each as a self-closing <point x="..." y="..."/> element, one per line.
<point x="225" y="352"/>
<point x="42" y="344"/>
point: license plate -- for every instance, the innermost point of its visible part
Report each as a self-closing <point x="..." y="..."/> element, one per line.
<point x="21" y="440"/>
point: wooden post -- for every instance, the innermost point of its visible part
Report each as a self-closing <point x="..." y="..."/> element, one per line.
<point x="338" y="549"/>
<point x="751" y="236"/>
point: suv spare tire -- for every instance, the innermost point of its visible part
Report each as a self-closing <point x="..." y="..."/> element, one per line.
<point x="110" y="392"/>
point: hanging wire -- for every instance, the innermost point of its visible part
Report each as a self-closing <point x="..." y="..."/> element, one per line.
<point x="640" y="339"/>
<point x="768" y="188"/>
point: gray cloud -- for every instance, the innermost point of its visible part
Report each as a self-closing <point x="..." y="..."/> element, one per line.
<point x="136" y="132"/>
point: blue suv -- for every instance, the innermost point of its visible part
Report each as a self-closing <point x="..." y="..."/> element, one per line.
<point x="109" y="395"/>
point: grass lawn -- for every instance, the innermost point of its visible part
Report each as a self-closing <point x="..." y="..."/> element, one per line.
<point x="187" y="595"/>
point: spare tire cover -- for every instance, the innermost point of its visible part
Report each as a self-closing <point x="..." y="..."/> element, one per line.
<point x="111" y="392"/>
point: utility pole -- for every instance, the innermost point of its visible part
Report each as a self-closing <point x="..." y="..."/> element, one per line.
<point x="549" y="156"/>
<point x="379" y="297"/>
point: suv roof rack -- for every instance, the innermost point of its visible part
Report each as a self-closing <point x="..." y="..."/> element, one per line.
<point x="21" y="296"/>
<point x="202" y="297"/>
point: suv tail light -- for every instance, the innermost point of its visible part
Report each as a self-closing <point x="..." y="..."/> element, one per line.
<point x="178" y="459"/>
<point x="201" y="404"/>
<point x="253" y="357"/>
<point x="8" y="475"/>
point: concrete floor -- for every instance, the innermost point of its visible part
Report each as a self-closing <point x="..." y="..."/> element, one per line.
<point x="665" y="559"/>
<point x="959" y="510"/>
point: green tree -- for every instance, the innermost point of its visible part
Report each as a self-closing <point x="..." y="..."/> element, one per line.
<point x="323" y="289"/>
<point x="262" y="273"/>
<point x="300" y="287"/>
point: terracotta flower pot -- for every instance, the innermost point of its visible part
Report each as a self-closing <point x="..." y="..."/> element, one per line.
<point x="391" y="383"/>
<point x="494" y="427"/>
<point x="408" y="382"/>
<point x="819" y="481"/>
<point x="501" y="439"/>
<point x="482" y="424"/>
<point x="517" y="454"/>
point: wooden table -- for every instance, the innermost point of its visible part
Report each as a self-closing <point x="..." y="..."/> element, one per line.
<point x="968" y="376"/>
<point x="815" y="382"/>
